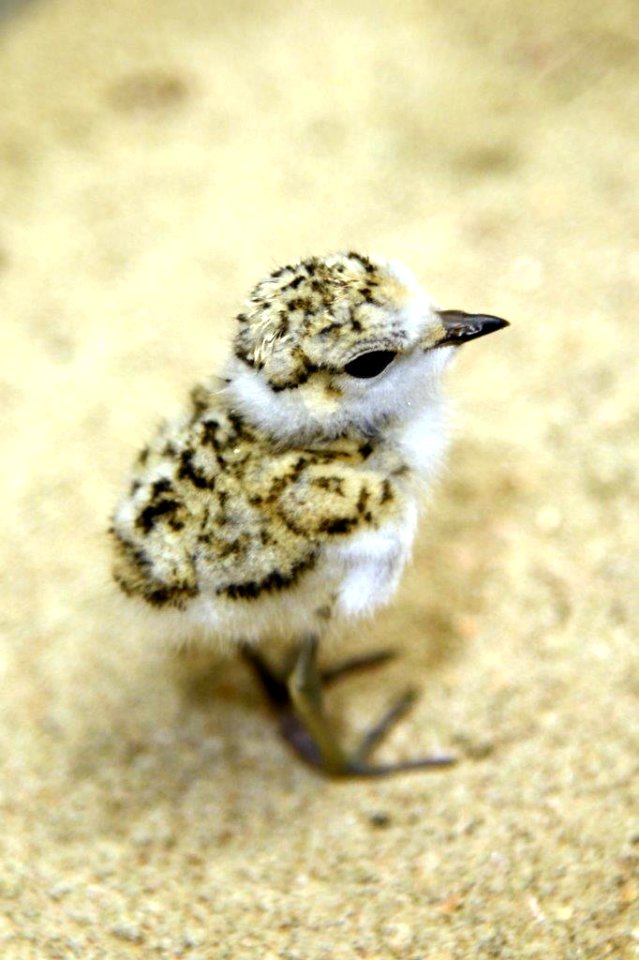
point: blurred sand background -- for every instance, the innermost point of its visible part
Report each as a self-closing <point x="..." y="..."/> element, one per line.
<point x="157" y="158"/>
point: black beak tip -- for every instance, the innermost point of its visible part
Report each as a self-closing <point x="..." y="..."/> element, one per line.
<point x="491" y="324"/>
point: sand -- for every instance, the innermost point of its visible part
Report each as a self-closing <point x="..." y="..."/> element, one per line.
<point x="156" y="160"/>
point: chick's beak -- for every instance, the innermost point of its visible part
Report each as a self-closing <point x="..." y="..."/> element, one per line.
<point x="461" y="327"/>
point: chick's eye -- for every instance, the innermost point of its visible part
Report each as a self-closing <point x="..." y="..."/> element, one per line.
<point x="370" y="364"/>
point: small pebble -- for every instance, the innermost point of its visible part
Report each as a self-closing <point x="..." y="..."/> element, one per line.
<point x="379" y="819"/>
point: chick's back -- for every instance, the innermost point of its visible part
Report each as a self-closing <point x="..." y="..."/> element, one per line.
<point x="215" y="506"/>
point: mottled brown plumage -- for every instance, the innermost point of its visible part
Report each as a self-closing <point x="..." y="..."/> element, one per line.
<point x="213" y="499"/>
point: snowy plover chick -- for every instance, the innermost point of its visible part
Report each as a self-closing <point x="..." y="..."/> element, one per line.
<point x="288" y="496"/>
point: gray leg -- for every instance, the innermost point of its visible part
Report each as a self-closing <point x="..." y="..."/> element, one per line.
<point x="320" y="746"/>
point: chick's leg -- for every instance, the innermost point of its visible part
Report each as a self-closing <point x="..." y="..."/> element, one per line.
<point x="305" y="726"/>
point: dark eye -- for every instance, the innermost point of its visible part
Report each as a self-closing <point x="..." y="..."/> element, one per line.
<point x="370" y="364"/>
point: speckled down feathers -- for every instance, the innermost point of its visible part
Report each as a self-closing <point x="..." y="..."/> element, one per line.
<point x="317" y="314"/>
<point x="213" y="502"/>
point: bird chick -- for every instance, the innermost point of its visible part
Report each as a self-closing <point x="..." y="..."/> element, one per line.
<point x="287" y="497"/>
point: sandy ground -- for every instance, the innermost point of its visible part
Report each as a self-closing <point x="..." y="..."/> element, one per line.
<point x="156" y="159"/>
